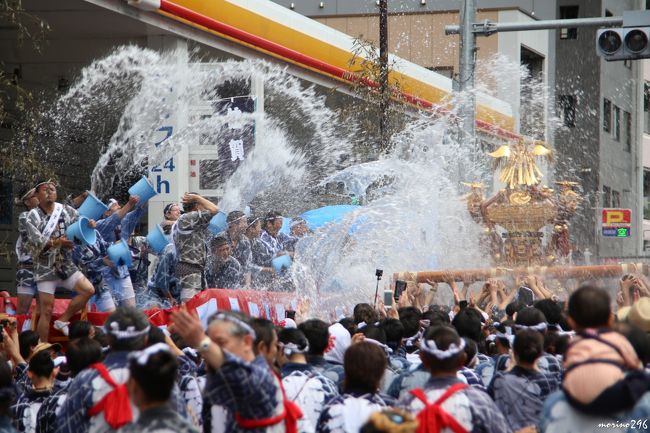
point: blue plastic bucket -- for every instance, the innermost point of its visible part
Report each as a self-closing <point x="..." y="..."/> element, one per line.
<point x="120" y="254"/>
<point x="80" y="233"/>
<point x="143" y="189"/>
<point x="157" y="240"/>
<point x="282" y="262"/>
<point x="218" y="223"/>
<point x="92" y="208"/>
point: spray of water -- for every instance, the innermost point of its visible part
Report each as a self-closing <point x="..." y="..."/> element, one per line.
<point x="413" y="216"/>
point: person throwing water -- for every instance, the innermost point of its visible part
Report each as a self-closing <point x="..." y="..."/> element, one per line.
<point x="51" y="252"/>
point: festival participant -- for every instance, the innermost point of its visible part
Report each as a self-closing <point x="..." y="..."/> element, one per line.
<point x="80" y="354"/>
<point x="189" y="233"/>
<point x="7" y="396"/>
<point x="318" y="335"/>
<point x="455" y="405"/>
<point x="94" y="262"/>
<point x="186" y="378"/>
<point x="298" y="230"/>
<point x="266" y="341"/>
<point x="27" y="341"/>
<point x="118" y="224"/>
<point x="375" y="334"/>
<point x="271" y="236"/>
<point x="302" y="383"/>
<point x="164" y="283"/>
<point x="394" y="335"/>
<point x="41" y="374"/>
<point x="139" y="269"/>
<point x="51" y="251"/>
<point x="151" y="380"/>
<point x="365" y="313"/>
<point x="25" y="284"/>
<point x="171" y="213"/>
<point x="603" y="374"/>
<point x="97" y="398"/>
<point x="222" y="269"/>
<point x="261" y="270"/>
<point x="520" y="392"/>
<point x="239" y="243"/>
<point x="241" y="393"/>
<point x="533" y="319"/>
<point x="365" y="364"/>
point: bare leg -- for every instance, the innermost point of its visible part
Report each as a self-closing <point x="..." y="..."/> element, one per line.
<point x="84" y="290"/>
<point x="46" y="301"/>
<point x="24" y="302"/>
<point x="127" y="302"/>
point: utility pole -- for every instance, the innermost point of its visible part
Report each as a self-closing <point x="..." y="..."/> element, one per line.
<point x="383" y="75"/>
<point x="466" y="62"/>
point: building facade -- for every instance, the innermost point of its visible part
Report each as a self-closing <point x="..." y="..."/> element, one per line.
<point x="594" y="113"/>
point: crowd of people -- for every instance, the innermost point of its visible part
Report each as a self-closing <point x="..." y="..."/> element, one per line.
<point x="534" y="365"/>
<point x="514" y="357"/>
<point x="195" y="258"/>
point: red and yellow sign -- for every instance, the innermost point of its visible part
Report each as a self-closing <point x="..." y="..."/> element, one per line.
<point x="617" y="217"/>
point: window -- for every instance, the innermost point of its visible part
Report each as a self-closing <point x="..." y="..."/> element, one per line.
<point x="607" y="196"/>
<point x="447" y="71"/>
<point x="607" y="115"/>
<point x="568" y="13"/>
<point x="567" y="108"/>
<point x="627" y="124"/>
<point x="616" y="199"/>
<point x="616" y="127"/>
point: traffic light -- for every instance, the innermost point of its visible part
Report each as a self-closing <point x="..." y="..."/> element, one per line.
<point x="626" y="43"/>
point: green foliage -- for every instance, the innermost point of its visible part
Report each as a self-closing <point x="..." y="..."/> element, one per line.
<point x="19" y="158"/>
<point x="367" y="71"/>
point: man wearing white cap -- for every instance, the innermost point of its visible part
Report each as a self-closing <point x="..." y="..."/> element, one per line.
<point x="51" y="251"/>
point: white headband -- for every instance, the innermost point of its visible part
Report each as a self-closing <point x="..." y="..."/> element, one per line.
<point x="142" y="356"/>
<point x="129" y="332"/>
<point x="540" y="327"/>
<point x="245" y="326"/>
<point x="410" y="341"/>
<point x="387" y="349"/>
<point x="292" y="349"/>
<point x="429" y="346"/>
<point x="362" y="325"/>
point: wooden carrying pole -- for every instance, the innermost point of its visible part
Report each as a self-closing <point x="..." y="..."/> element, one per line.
<point x="560" y="272"/>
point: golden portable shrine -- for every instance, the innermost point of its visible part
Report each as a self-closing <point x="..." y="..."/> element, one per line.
<point x="515" y="216"/>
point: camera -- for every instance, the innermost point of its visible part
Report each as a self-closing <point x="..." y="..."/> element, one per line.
<point x="400" y="286"/>
<point x="379" y="273"/>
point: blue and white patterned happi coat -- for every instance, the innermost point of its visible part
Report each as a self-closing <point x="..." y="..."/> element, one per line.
<point x="471" y="407"/>
<point x="25" y="411"/>
<point x="310" y="390"/>
<point x="248" y="388"/>
<point x="347" y="413"/>
<point x="88" y="388"/>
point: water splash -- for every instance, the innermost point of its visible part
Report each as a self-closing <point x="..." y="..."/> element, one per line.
<point x="412" y="218"/>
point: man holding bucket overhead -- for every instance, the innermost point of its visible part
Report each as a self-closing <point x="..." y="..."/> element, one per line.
<point x="189" y="237"/>
<point x="51" y="251"/>
<point x="117" y="225"/>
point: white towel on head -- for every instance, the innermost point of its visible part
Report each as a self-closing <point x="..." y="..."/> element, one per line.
<point x="340" y="340"/>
